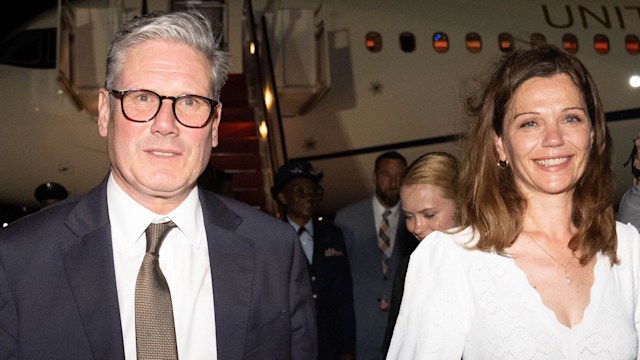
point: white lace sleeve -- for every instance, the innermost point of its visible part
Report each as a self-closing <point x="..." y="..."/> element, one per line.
<point x="436" y="306"/>
<point x="629" y="251"/>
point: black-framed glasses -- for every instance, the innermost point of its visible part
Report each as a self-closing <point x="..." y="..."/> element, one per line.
<point x="141" y="105"/>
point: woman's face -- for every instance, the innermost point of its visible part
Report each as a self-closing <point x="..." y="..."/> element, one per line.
<point x="426" y="209"/>
<point x="547" y="135"/>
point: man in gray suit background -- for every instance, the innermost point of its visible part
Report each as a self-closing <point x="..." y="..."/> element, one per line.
<point x="86" y="278"/>
<point x="376" y="239"/>
<point x="629" y="208"/>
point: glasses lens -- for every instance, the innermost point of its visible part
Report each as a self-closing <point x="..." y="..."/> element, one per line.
<point x="192" y="110"/>
<point x="301" y="192"/>
<point x="143" y="105"/>
<point x="140" y="105"/>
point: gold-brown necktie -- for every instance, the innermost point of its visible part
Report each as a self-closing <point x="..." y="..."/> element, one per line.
<point x="155" y="331"/>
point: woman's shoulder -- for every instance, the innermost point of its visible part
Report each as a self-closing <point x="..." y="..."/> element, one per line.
<point x="442" y="244"/>
<point x="626" y="232"/>
<point x="628" y="242"/>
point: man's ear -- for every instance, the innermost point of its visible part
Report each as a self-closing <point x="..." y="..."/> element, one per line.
<point x="104" y="112"/>
<point x="217" y="113"/>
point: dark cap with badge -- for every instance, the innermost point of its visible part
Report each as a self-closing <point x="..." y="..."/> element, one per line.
<point x="291" y="170"/>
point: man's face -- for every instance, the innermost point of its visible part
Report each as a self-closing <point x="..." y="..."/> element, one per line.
<point x="387" y="181"/>
<point x="158" y="162"/>
<point x="301" y="197"/>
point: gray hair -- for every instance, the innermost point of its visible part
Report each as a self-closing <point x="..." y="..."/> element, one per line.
<point x="190" y="27"/>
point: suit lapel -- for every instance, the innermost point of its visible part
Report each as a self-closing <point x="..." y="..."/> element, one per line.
<point x="88" y="260"/>
<point x="231" y="257"/>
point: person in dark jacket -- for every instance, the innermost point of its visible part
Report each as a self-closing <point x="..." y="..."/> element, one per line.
<point x="298" y="192"/>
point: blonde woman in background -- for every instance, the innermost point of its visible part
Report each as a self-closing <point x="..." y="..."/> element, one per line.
<point x="428" y="191"/>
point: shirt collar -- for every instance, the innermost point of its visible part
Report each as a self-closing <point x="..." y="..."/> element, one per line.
<point x="133" y="218"/>
<point x="308" y="226"/>
<point x="378" y="208"/>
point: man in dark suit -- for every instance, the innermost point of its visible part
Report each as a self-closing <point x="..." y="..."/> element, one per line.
<point x="374" y="254"/>
<point x="299" y="193"/>
<point x="231" y="281"/>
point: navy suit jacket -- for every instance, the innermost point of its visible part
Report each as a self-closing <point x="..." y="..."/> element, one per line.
<point x="397" y="293"/>
<point x="58" y="297"/>
<point x="369" y="285"/>
<point x="333" y="292"/>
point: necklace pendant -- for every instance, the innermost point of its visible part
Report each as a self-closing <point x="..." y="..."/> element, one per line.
<point x="568" y="279"/>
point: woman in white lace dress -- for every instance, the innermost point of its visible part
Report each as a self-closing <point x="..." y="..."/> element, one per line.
<point x="539" y="268"/>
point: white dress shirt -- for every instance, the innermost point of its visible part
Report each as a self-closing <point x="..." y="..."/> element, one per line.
<point x="378" y="210"/>
<point x="306" y="238"/>
<point x="184" y="261"/>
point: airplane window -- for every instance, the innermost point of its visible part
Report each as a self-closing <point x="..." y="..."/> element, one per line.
<point x="570" y="43"/>
<point x="50" y="46"/>
<point x="537" y="39"/>
<point x="440" y="42"/>
<point x="373" y="41"/>
<point x="31" y="49"/>
<point x="632" y="44"/>
<point x="407" y="42"/>
<point x="505" y="42"/>
<point x="473" y="42"/>
<point x="601" y="44"/>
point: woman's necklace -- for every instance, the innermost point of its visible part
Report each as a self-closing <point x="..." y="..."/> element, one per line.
<point x="565" y="266"/>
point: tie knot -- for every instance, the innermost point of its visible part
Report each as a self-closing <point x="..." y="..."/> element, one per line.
<point x="156" y="234"/>
<point x="301" y="230"/>
<point x="385" y="214"/>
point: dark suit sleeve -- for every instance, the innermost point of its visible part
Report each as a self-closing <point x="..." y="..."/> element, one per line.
<point x="8" y="321"/>
<point x="396" y="300"/>
<point x="347" y="313"/>
<point x="304" y="336"/>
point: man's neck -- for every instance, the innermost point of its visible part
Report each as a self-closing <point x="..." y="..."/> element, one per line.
<point x="384" y="205"/>
<point x="300" y="220"/>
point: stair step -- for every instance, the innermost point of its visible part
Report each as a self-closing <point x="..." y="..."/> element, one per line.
<point x="235" y="114"/>
<point x="238" y="151"/>
<point x="253" y="197"/>
<point x="234" y="92"/>
<point x="247" y="144"/>
<point x="246" y="180"/>
<point x="236" y="161"/>
<point x="235" y="129"/>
